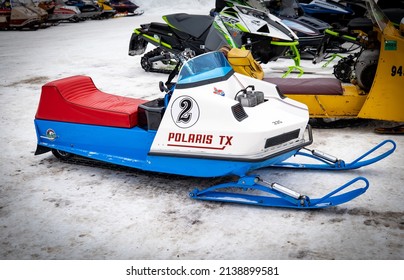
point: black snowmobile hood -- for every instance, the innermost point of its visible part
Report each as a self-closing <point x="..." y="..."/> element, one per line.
<point x="195" y="25"/>
<point x="314" y="23"/>
<point x="300" y="28"/>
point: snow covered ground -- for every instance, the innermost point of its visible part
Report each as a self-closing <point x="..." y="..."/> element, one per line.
<point x="54" y="210"/>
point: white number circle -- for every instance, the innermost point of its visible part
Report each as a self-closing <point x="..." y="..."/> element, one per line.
<point x="185" y="111"/>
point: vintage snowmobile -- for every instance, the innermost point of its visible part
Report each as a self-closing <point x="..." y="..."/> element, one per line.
<point x="376" y="75"/>
<point x="14" y="15"/>
<point x="183" y="133"/>
<point x="38" y="10"/>
<point x="237" y="26"/>
<point x="107" y="10"/>
<point x="125" y="8"/>
<point x="88" y="9"/>
<point x="58" y="11"/>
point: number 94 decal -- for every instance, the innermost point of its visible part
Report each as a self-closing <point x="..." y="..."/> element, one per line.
<point x="397" y="71"/>
<point x="185" y="111"/>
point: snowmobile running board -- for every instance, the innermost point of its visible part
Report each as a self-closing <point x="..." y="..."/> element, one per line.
<point x="280" y="195"/>
<point x="284" y="197"/>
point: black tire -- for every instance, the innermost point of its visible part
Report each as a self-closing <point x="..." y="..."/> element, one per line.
<point x="61" y="154"/>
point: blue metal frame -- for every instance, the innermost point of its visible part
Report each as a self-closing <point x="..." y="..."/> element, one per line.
<point x="339" y="164"/>
<point x="277" y="198"/>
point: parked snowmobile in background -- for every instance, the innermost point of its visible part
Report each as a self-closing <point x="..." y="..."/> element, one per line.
<point x="310" y="30"/>
<point x="182" y="133"/>
<point x="43" y="14"/>
<point x="357" y="35"/>
<point x="89" y="9"/>
<point x="376" y="76"/>
<point x="107" y="10"/>
<point x="339" y="13"/>
<point x="333" y="12"/>
<point x="58" y="11"/>
<point x="14" y="15"/>
<point x="125" y="8"/>
<point x="354" y="39"/>
<point x="237" y="26"/>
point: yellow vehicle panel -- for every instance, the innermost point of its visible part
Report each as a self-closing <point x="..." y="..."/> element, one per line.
<point x="347" y="105"/>
<point x="385" y="100"/>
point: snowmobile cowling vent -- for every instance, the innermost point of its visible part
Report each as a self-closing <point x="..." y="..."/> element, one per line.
<point x="77" y="100"/>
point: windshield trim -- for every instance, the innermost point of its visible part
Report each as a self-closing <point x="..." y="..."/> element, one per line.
<point x="205" y="82"/>
<point x="376" y="14"/>
<point x="204" y="69"/>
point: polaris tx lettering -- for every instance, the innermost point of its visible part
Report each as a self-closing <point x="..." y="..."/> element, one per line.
<point x="192" y="139"/>
<point x="228" y="140"/>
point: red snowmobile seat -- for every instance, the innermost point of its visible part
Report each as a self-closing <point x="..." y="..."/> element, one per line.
<point x="308" y="86"/>
<point x="77" y="100"/>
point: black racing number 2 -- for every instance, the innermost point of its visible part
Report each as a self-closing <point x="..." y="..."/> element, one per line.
<point x="185" y="115"/>
<point x="396" y="70"/>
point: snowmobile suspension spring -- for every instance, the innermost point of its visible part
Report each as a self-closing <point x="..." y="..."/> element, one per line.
<point x="285" y="190"/>
<point x="324" y="156"/>
<point x="282" y="189"/>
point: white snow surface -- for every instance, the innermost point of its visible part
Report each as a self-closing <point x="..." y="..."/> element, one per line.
<point x="55" y="210"/>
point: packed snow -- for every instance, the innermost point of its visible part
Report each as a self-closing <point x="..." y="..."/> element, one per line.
<point x="55" y="210"/>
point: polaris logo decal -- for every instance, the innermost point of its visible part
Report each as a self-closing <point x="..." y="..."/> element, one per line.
<point x="191" y="140"/>
<point x="185" y="111"/>
<point x="50" y="135"/>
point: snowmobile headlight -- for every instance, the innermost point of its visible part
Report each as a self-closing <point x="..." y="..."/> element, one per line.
<point x="402" y="27"/>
